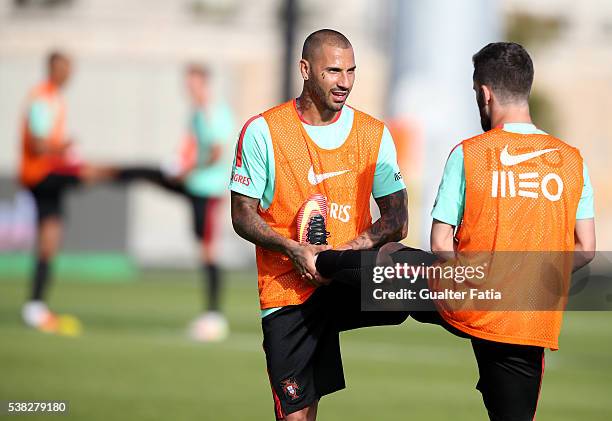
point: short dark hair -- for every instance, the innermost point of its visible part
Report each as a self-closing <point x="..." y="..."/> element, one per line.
<point x="506" y="68"/>
<point x="55" y="56"/>
<point x="315" y="40"/>
<point x="198" y="69"/>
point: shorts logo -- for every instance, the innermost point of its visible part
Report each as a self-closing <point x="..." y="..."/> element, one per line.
<point x="290" y="388"/>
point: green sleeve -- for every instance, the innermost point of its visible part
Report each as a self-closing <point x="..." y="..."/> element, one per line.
<point x="586" y="205"/>
<point x="450" y="201"/>
<point x="251" y="176"/>
<point x="40" y="119"/>
<point x="387" y="176"/>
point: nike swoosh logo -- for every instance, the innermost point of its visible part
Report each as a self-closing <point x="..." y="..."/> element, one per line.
<point x="508" y="160"/>
<point x="315" y="179"/>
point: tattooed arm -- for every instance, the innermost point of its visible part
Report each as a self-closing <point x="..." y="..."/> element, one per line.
<point x="392" y="225"/>
<point x="249" y="225"/>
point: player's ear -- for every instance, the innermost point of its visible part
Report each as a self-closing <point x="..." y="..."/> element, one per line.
<point x="304" y="68"/>
<point x="486" y="94"/>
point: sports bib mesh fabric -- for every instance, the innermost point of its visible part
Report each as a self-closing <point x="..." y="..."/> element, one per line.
<point x="302" y="168"/>
<point x="522" y="192"/>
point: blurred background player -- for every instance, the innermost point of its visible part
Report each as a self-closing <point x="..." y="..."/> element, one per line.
<point x="200" y="173"/>
<point x="204" y="172"/>
<point x="48" y="168"/>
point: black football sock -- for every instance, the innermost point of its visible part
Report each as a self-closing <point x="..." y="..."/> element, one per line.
<point x="150" y="174"/>
<point x="348" y="266"/>
<point x="213" y="285"/>
<point x="414" y="257"/>
<point x="343" y="265"/>
<point x="330" y="262"/>
<point x="40" y="280"/>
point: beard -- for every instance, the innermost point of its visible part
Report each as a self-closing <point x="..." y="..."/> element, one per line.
<point x="324" y="98"/>
<point x="485" y="118"/>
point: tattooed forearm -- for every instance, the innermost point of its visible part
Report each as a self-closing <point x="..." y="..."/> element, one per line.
<point x="250" y="226"/>
<point x="392" y="225"/>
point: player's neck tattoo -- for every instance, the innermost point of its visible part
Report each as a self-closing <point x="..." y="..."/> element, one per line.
<point x="303" y="103"/>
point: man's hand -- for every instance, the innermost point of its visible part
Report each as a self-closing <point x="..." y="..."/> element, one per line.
<point x="215" y="154"/>
<point x="250" y="226"/>
<point x="303" y="258"/>
<point x="39" y="147"/>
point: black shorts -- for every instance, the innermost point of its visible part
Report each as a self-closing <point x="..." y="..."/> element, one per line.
<point x="510" y="379"/>
<point x="203" y="208"/>
<point x="49" y="194"/>
<point x="205" y="220"/>
<point x="510" y="375"/>
<point x="302" y="344"/>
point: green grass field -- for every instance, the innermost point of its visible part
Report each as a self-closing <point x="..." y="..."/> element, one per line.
<point x="135" y="362"/>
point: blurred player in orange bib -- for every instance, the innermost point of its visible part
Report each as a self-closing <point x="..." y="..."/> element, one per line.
<point x="49" y="168"/>
<point x="301" y="169"/>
